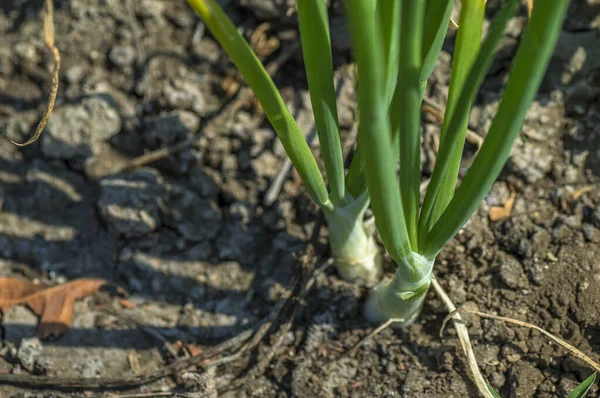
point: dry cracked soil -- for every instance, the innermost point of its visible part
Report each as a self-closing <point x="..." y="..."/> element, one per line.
<point x="195" y="257"/>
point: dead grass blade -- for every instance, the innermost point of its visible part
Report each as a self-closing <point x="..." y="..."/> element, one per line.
<point x="574" y="351"/>
<point x="49" y="38"/>
<point x="463" y="336"/>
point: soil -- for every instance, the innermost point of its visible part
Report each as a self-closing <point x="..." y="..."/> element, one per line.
<point x="202" y="259"/>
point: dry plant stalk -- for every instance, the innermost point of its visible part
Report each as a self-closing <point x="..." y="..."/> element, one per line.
<point x="463" y="336"/>
<point x="351" y="352"/>
<point x="49" y="38"/>
<point x="574" y="351"/>
<point x="432" y="108"/>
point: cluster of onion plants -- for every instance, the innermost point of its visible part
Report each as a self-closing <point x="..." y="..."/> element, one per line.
<point x="395" y="45"/>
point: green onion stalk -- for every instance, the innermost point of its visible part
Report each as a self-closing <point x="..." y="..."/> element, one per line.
<point x="352" y="243"/>
<point x="415" y="234"/>
<point x="395" y="46"/>
<point x="353" y="246"/>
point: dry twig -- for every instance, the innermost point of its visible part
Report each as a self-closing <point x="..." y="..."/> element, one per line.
<point x="287" y="311"/>
<point x="277" y="184"/>
<point x="153" y="156"/>
<point x="77" y="383"/>
<point x="434" y="109"/>
<point x="352" y="351"/>
<point x="49" y="38"/>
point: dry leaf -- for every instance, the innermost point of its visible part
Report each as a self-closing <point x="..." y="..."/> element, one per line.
<point x="53" y="304"/>
<point x="501" y="213"/>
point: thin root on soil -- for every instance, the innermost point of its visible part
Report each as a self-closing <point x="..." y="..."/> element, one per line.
<point x="461" y="331"/>
<point x="574" y="351"/>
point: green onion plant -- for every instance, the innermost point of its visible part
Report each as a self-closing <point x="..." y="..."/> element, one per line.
<point x="395" y="45"/>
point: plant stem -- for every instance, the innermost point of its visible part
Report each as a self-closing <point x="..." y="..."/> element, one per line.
<point x="467" y="46"/>
<point x="411" y="34"/>
<point x="316" y="48"/>
<point x="529" y="66"/>
<point x="375" y="137"/>
<point x="402" y="296"/>
<point x="352" y="243"/>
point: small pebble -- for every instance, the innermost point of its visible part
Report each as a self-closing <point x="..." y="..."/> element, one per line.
<point x="122" y="56"/>
<point x="29" y="351"/>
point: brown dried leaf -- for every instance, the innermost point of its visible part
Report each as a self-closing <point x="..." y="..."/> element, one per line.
<point x="53" y="304"/>
<point x="501" y="213"/>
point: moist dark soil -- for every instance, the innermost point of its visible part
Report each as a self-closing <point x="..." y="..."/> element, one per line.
<point x="193" y="255"/>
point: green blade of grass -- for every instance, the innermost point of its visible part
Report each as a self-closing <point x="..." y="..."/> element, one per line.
<point x="529" y="66"/>
<point x="263" y="87"/>
<point x="583" y="388"/>
<point x="453" y="137"/>
<point x="316" y="48"/>
<point x="467" y="46"/>
<point x="389" y="17"/>
<point x="375" y="137"/>
<point x="410" y="96"/>
<point x="437" y="19"/>
<point x="492" y="391"/>
<point x="355" y="179"/>
<point x="395" y="118"/>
